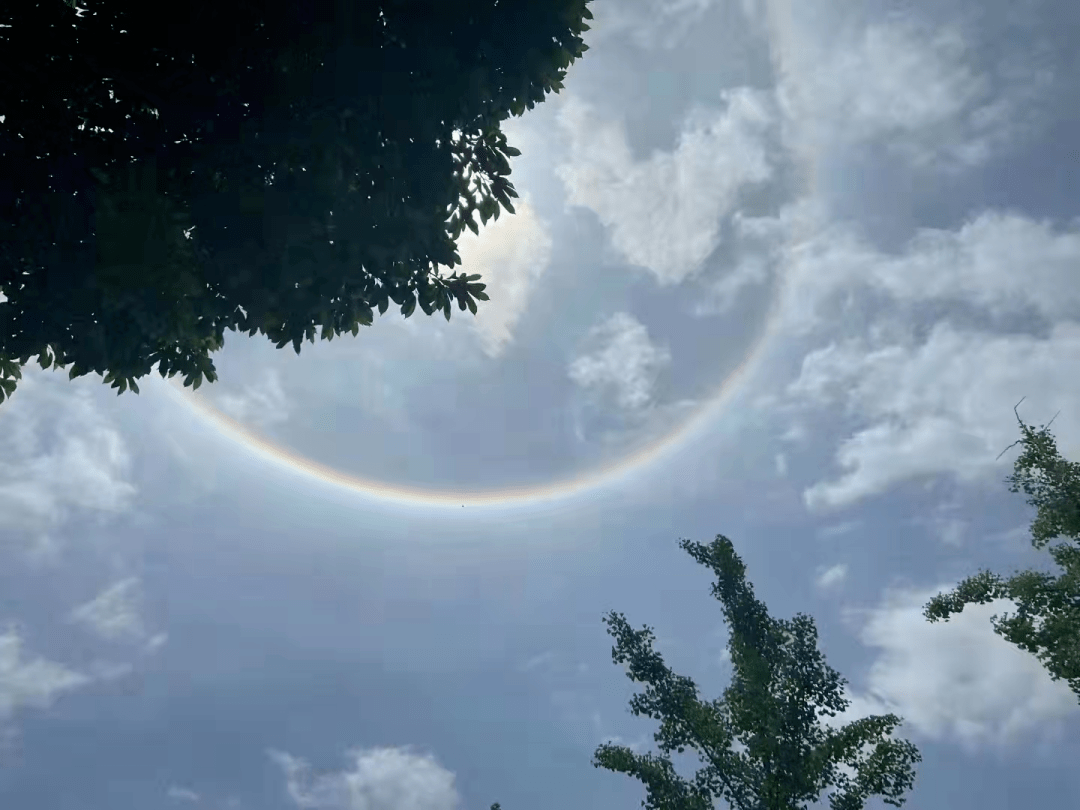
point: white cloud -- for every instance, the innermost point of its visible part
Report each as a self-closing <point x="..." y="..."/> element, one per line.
<point x="951" y="531"/>
<point x="831" y="577"/>
<point x="114" y="614"/>
<point x="723" y="293"/>
<point x="181" y="794"/>
<point x="664" y="213"/>
<point x="58" y="454"/>
<point x="626" y="365"/>
<point x="31" y="682"/>
<point x="380" y="779"/>
<point x="901" y="82"/>
<point x="825" y="263"/>
<point x="261" y="405"/>
<point x="155" y="642"/>
<point x="760" y="241"/>
<point x="956" y="680"/>
<point x="781" y="464"/>
<point x="940" y="407"/>
<point x="109" y="670"/>
<point x="510" y="254"/>
<point x="944" y="524"/>
<point x="938" y="401"/>
<point x="981" y="264"/>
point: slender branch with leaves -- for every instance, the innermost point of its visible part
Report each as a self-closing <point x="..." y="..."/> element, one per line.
<point x="1047" y="619"/>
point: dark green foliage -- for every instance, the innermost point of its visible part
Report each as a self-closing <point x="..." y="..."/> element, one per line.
<point x="780" y="687"/>
<point x="274" y="167"/>
<point x="1047" y="619"/>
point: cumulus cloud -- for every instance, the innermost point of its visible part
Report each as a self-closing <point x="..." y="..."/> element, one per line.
<point x="760" y="241"/>
<point x="664" y="213"/>
<point x="955" y="681"/>
<point x="723" y="293"/>
<point x="910" y="85"/>
<point x="58" y="455"/>
<point x="999" y="261"/>
<point x="938" y="407"/>
<point x="831" y="577"/>
<point x="115" y="613"/>
<point x="378" y="779"/>
<point x="511" y="255"/>
<point x="626" y="365"/>
<point x="935" y="397"/>
<point x="31" y="682"/>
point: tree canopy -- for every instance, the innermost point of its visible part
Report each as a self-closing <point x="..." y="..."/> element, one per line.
<point x="780" y="687"/>
<point x="272" y="167"/>
<point x="1047" y="619"/>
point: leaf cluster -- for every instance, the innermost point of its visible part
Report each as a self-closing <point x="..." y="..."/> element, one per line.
<point x="1047" y="618"/>
<point x="274" y="168"/>
<point x="781" y="686"/>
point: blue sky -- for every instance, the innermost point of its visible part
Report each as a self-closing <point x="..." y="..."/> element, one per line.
<point x="780" y="271"/>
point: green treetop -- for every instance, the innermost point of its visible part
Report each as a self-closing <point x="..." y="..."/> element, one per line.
<point x="1047" y="618"/>
<point x="780" y="687"/>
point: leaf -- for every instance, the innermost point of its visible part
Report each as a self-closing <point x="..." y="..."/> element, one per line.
<point x="134" y="386"/>
<point x="472" y="226"/>
<point x="488" y="208"/>
<point x="510" y="151"/>
<point x="471" y="303"/>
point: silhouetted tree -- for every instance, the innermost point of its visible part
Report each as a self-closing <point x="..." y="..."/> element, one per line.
<point x="274" y="167"/>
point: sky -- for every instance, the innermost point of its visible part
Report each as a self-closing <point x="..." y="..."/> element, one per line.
<point x="779" y="271"/>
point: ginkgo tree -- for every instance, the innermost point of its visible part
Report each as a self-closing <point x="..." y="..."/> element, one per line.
<point x="1047" y="618"/>
<point x="763" y="744"/>
<point x="252" y="166"/>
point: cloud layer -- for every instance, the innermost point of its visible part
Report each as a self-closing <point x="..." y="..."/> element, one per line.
<point x="379" y="779"/>
<point x="664" y="213"/>
<point x="957" y="680"/>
